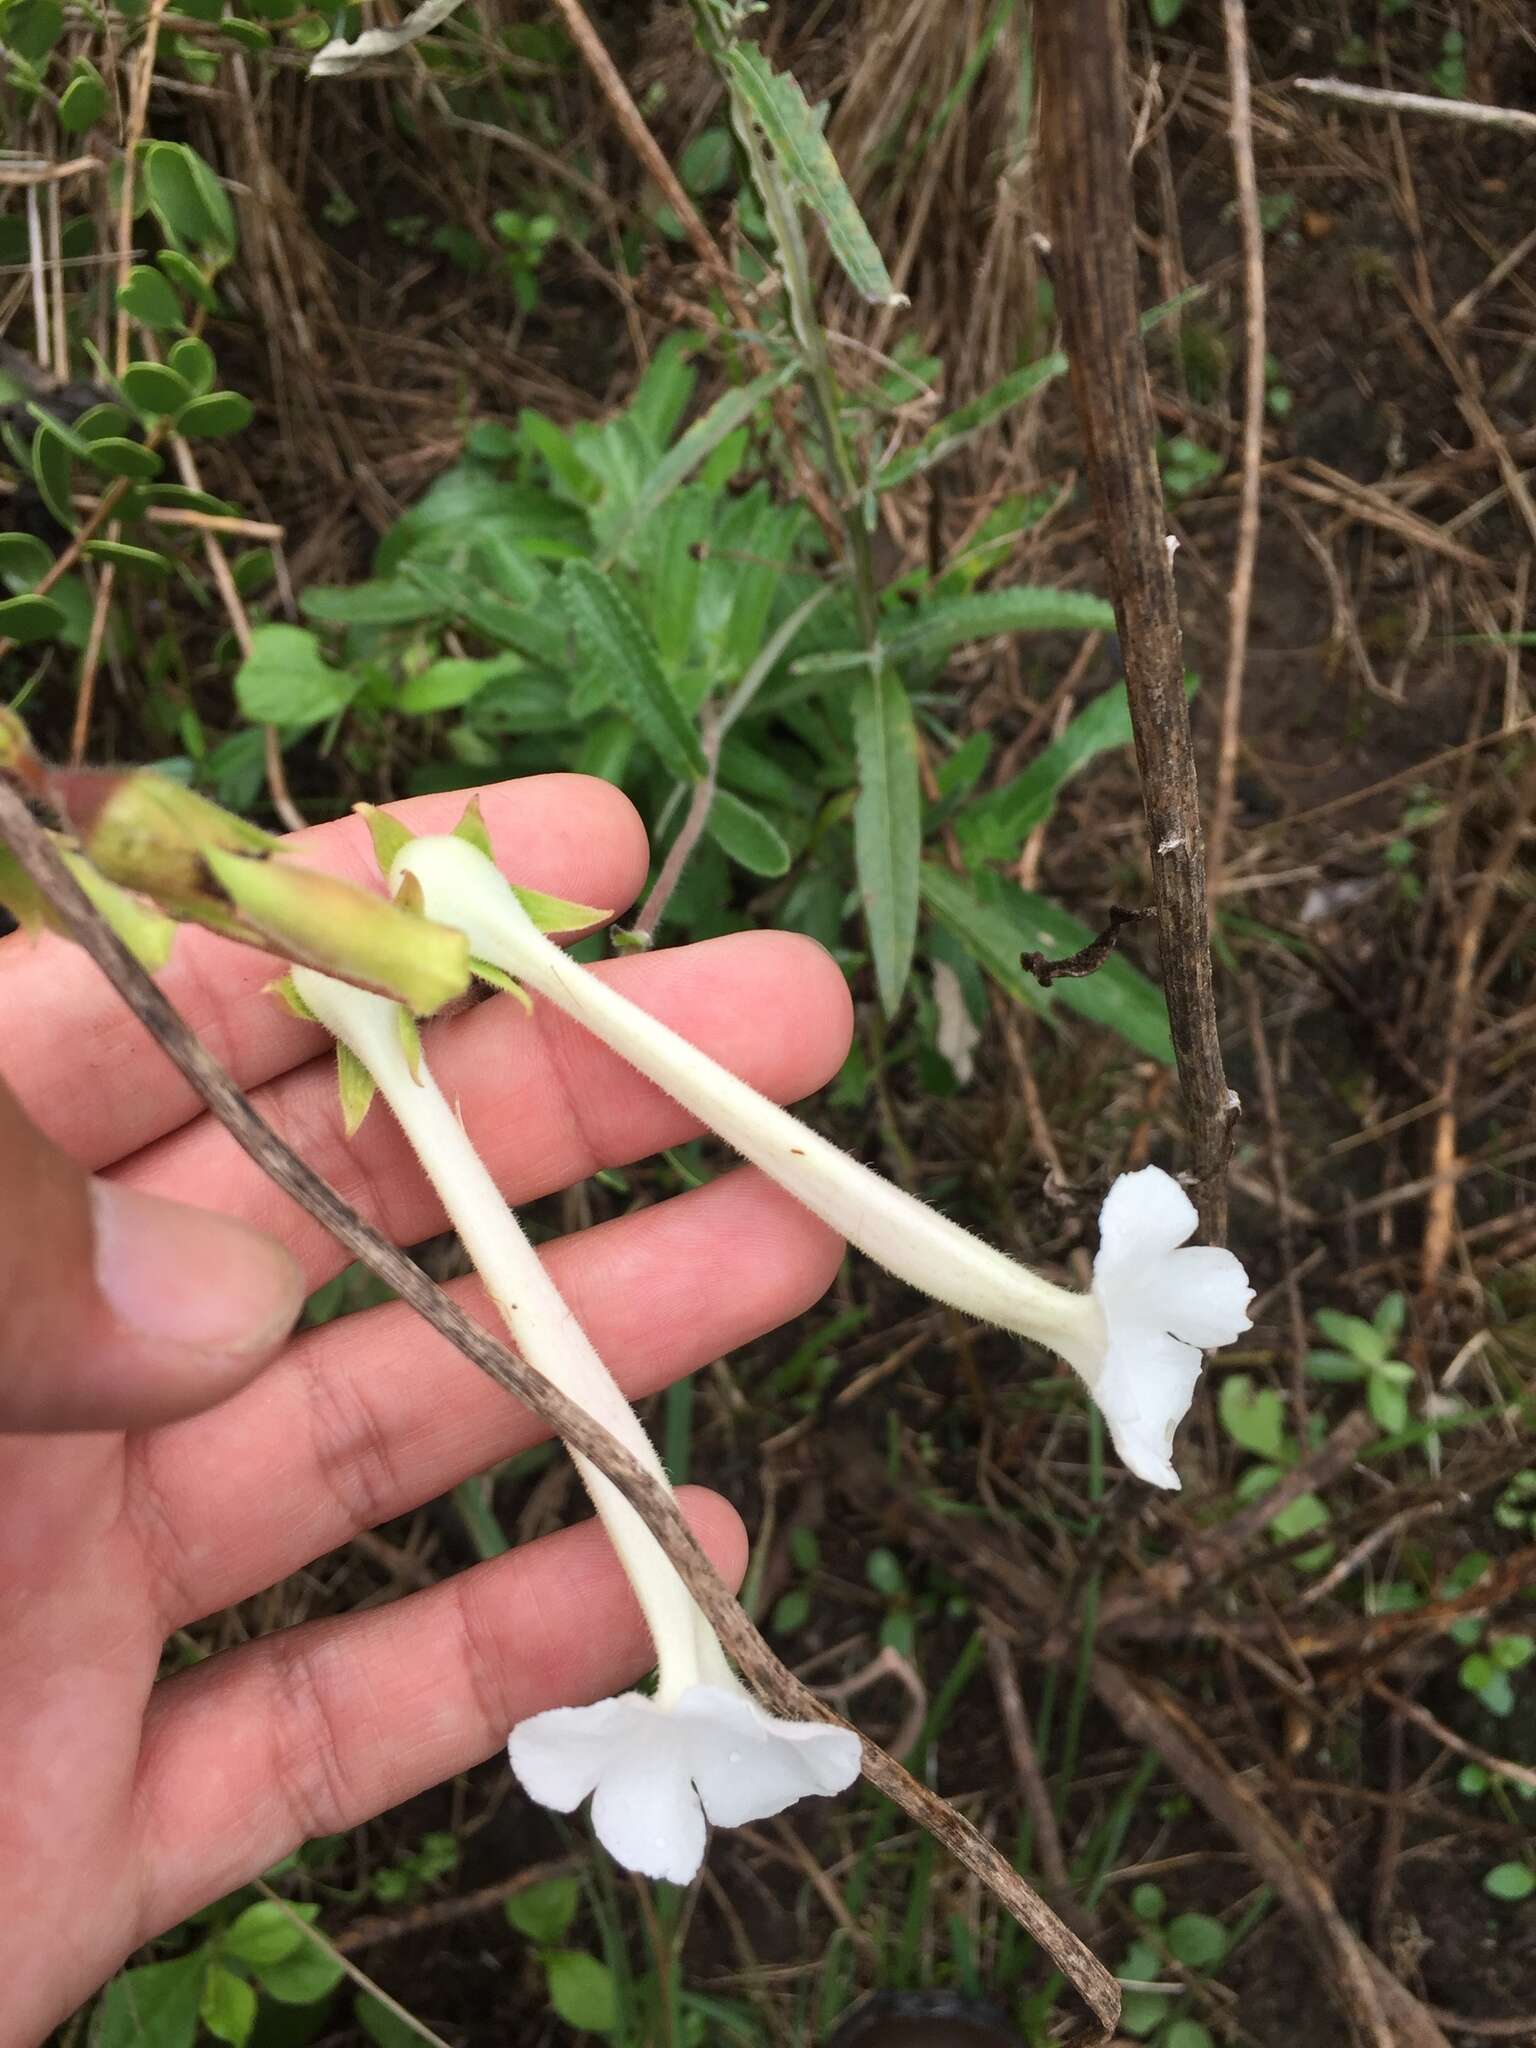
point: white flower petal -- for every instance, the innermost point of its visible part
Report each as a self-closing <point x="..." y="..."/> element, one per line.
<point x="1144" y="1391"/>
<point x="1208" y="1295"/>
<point x="560" y="1756"/>
<point x="1144" y="1216"/>
<point x="748" y="1764"/>
<point x="645" y="1811"/>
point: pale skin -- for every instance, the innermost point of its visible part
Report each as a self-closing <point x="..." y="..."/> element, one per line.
<point x="149" y="1481"/>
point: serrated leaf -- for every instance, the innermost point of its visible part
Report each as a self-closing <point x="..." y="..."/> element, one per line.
<point x="228" y="2007"/>
<point x="356" y="1087"/>
<point x="471" y="829"/>
<point x="887" y="826"/>
<point x="285" y="680"/>
<point x="155" y="388"/>
<point x="387" y="833"/>
<point x="29" y="617"/>
<point x="775" y="105"/>
<point x="614" y="639"/>
<point x="747" y="836"/>
<point x="145" y="296"/>
<point x="216" y="413"/>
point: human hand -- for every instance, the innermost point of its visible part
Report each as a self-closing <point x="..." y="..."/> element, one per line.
<point x="152" y="1472"/>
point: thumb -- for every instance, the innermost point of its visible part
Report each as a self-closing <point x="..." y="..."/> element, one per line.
<point x="119" y="1309"/>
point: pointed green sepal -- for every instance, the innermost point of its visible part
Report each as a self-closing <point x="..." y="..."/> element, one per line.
<point x="554" y="914"/>
<point x="287" y="993"/>
<point x="410" y="896"/>
<point x="626" y="941"/>
<point x="356" y="1086"/>
<point x="20" y="895"/>
<point x="497" y="977"/>
<point x="322" y="922"/>
<point x="387" y="833"/>
<point x="148" y="934"/>
<point x="472" y="828"/>
<point x="410" y="1041"/>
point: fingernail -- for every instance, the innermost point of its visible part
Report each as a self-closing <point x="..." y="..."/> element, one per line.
<point x="185" y="1277"/>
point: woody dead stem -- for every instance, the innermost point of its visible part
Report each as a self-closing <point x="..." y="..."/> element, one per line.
<point x="34" y="849"/>
<point x="1080" y="62"/>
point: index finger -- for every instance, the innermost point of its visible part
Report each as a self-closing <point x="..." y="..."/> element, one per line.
<point x="89" y="1074"/>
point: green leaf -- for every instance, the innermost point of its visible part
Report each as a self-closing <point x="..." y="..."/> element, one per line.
<point x="1353" y="1334"/>
<point x="118" y="457"/>
<point x="124" y="555"/>
<point x="1164" y="13"/>
<point x="1512" y="1653"/>
<point x="105" y="423"/>
<point x="1197" y="1940"/>
<point x="448" y="683"/>
<point x="217" y="413"/>
<point x="228" y="2008"/>
<point x="1188" y="2034"/>
<point x="1388" y="1319"/>
<point x="380" y="603"/>
<point x="887" y="826"/>
<point x="1148" y="1902"/>
<point x="30" y="28"/>
<point x="722" y="419"/>
<point x="29" y="617"/>
<point x="50" y="471"/>
<point x="581" y="1990"/>
<point x="286" y="681"/>
<point x="192" y="360"/>
<point x="263" y="1933"/>
<point x="558" y="454"/>
<point x="995" y="826"/>
<point x="152" y="2007"/>
<point x="155" y="388"/>
<point x="614" y="639"/>
<point x="356" y="1088"/>
<point x="384" y="2028"/>
<point x="310" y="1973"/>
<point x="181" y="270"/>
<point x="746" y="835"/>
<point x="706" y="162"/>
<point x="1511" y="1881"/>
<point x="1388" y="1404"/>
<point x="791" y="1611"/>
<point x="1252" y="1415"/>
<point x="544" y="1912"/>
<point x="778" y="109"/>
<point x="145" y="296"/>
<point x="1141" y="2011"/>
<point x="388" y="834"/>
<point x="24" y="558"/>
<point x="84" y="99"/>
<point x="949" y="622"/>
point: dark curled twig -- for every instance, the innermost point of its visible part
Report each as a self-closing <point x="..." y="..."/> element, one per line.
<point x="1088" y="959"/>
<point x="34" y="849"/>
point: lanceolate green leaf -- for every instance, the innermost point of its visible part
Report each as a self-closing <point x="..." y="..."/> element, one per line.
<point x="684" y="456"/>
<point x="777" y="107"/>
<point x="614" y="639"/>
<point x="950" y="622"/>
<point x="887" y="826"/>
<point x="747" y="836"/>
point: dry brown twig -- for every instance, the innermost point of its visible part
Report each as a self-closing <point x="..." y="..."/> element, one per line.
<point x="1080" y="60"/>
<point x="34" y="849"/>
<point x="1376" y="99"/>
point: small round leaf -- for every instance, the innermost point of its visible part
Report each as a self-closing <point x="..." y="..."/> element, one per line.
<point x="217" y="413"/>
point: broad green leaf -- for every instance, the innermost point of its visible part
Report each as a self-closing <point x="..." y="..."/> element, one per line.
<point x="747" y="836"/>
<point x="286" y="681"/>
<point x="30" y="28"/>
<point x="155" y="388"/>
<point x="951" y="622"/>
<point x="114" y="456"/>
<point x="382" y="603"/>
<point x="217" y="413"/>
<point x="1252" y="1415"/>
<point x="152" y="2007"/>
<point x="1197" y="1940"/>
<point x="782" y="116"/>
<point x="1510" y="1881"/>
<point x="1353" y="1334"/>
<point x="228" y="2007"/>
<point x="124" y="555"/>
<point x="173" y="193"/>
<point x="1188" y="2034"/>
<point x="728" y="413"/>
<point x="145" y="296"/>
<point x="263" y="1933"/>
<point x="451" y="682"/>
<point x="50" y="471"/>
<point x="303" y="1977"/>
<point x="706" y="162"/>
<point x="192" y="359"/>
<point x="29" y="617"/>
<point x="581" y="1990"/>
<point x="384" y="2028"/>
<point x="84" y="99"/>
<point x="544" y="1912"/>
<point x="181" y="270"/>
<point x="1388" y="1404"/>
<point x="887" y="826"/>
<point x="613" y="637"/>
<point x="24" y="558"/>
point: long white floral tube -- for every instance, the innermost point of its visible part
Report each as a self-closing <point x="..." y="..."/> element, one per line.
<point x="1135" y="1339"/>
<point x="701" y="1746"/>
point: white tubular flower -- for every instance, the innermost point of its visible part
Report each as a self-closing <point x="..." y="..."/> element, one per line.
<point x="1134" y="1339"/>
<point x="337" y="57"/>
<point x="642" y="1757"/>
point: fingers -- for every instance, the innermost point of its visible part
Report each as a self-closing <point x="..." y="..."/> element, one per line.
<point x="313" y="1730"/>
<point x="91" y="1077"/>
<point x="119" y="1309"/>
<point x="371" y="1415"/>
<point x="546" y="1103"/>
